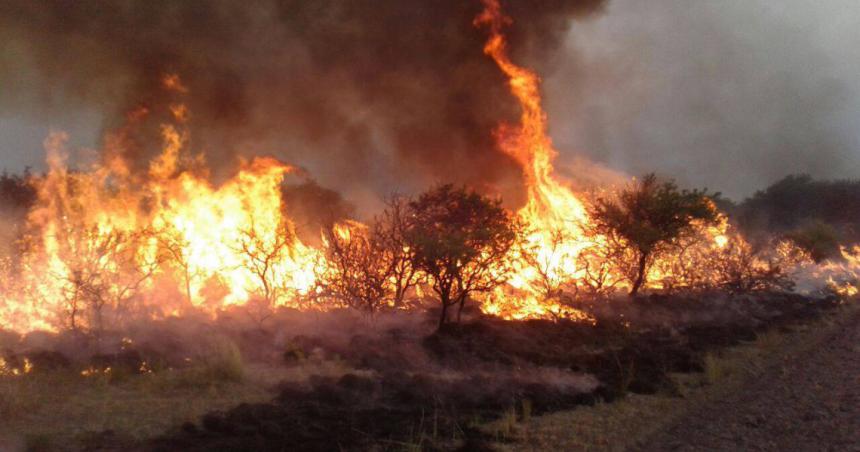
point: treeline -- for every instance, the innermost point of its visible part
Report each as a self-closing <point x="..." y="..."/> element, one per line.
<point x="15" y="191"/>
<point x="818" y="215"/>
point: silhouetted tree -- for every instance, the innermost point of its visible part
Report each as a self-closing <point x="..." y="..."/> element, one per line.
<point x="262" y="253"/>
<point x="103" y="272"/>
<point x="645" y="219"/>
<point x="554" y="268"/>
<point x="16" y="190"/>
<point x="462" y="241"/>
<point x="798" y="202"/>
<point x="369" y="267"/>
<point x="356" y="271"/>
<point x="176" y="248"/>
<point x="389" y="234"/>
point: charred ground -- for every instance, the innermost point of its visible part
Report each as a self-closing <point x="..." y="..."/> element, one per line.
<point x="405" y="385"/>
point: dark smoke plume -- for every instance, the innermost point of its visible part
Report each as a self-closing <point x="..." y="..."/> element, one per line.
<point x="369" y="95"/>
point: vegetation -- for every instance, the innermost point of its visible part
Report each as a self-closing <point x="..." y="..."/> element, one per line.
<point x="819" y="239"/>
<point x="644" y="221"/>
<point x="357" y="271"/>
<point x="815" y="213"/>
<point x="369" y="268"/>
<point x="105" y="275"/>
<point x="461" y="241"/>
<point x="16" y="190"/>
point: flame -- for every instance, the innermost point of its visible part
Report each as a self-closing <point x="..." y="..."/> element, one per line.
<point x="557" y="257"/>
<point x="842" y="276"/>
<point x="552" y="208"/>
<point x="105" y="243"/>
<point x="100" y="238"/>
<point x="10" y="370"/>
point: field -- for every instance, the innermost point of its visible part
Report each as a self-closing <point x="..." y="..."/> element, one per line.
<point x="338" y="381"/>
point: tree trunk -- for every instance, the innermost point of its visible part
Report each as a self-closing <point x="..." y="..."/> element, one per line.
<point x="444" y="316"/>
<point x="640" y="275"/>
<point x="460" y="309"/>
<point x="398" y="296"/>
<point x="188" y="286"/>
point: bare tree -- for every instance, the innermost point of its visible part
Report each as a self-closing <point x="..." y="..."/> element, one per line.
<point x="388" y="233"/>
<point x="357" y="271"/>
<point x="262" y="253"/>
<point x="104" y="268"/>
<point x="175" y="248"/>
<point x="554" y="265"/>
<point x="599" y="278"/>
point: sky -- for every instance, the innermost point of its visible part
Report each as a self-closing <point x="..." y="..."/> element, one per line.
<point x="731" y="95"/>
<point x="726" y="94"/>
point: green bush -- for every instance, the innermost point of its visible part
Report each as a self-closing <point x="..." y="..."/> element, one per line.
<point x="223" y="361"/>
<point x="819" y="239"/>
<point x="219" y="362"/>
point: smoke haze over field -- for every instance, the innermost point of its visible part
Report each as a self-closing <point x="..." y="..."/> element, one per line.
<point x="730" y="94"/>
<point x="374" y="96"/>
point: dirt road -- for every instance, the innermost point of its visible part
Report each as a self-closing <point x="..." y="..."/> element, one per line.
<point x="805" y="401"/>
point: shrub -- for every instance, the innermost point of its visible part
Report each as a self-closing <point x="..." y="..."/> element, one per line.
<point x="645" y="220"/>
<point x="819" y="239"/>
<point x="220" y="362"/>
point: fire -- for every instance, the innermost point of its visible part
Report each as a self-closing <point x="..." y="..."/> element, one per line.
<point x="842" y="277"/>
<point x="560" y="254"/>
<point x="8" y="369"/>
<point x="102" y="237"/>
<point x="105" y="243"/>
<point x="552" y="211"/>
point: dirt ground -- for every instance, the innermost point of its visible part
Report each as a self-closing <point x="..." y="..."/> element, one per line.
<point x="773" y="371"/>
<point x="805" y="401"/>
<point x="796" y="389"/>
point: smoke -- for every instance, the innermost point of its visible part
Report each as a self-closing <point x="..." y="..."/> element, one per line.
<point x="730" y="94"/>
<point x="370" y="96"/>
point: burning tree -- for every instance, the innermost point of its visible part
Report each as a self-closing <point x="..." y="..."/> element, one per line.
<point x="176" y="251"/>
<point x="462" y="241"/>
<point x="369" y="267"/>
<point x="740" y="267"/>
<point x="646" y="220"/>
<point x="262" y="252"/>
<point x="389" y="234"/>
<point x="102" y="270"/>
<point x="356" y="271"/>
<point x="554" y="278"/>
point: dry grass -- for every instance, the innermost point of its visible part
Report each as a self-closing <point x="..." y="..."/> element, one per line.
<point x="625" y="423"/>
<point x="42" y="411"/>
<point x="64" y="406"/>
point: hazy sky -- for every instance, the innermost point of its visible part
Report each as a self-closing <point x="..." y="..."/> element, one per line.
<point x="728" y="94"/>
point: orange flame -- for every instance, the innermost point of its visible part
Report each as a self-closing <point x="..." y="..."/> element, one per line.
<point x="109" y="243"/>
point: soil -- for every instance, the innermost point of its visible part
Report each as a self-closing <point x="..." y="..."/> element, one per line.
<point x="807" y="400"/>
<point x="412" y="388"/>
<point x="481" y="370"/>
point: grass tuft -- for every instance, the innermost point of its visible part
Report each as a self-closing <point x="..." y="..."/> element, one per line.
<point x="716" y="368"/>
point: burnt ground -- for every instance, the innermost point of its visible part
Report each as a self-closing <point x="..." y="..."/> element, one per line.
<point x="486" y="368"/>
<point x="808" y="400"/>
<point x="415" y="388"/>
